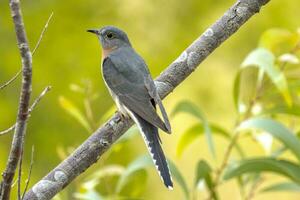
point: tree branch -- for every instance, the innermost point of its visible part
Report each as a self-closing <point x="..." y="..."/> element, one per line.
<point x="20" y="130"/>
<point x="93" y="148"/>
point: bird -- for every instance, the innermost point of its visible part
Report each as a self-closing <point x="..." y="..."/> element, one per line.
<point x="131" y="86"/>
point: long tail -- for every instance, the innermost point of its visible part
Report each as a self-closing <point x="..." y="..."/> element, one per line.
<point x="152" y="140"/>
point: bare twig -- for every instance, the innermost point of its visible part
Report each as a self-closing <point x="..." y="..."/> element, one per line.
<point x="7" y="130"/>
<point x="20" y="174"/>
<point x="11" y="80"/>
<point x="29" y="173"/>
<point x="42" y="34"/>
<point x="102" y="139"/>
<point x="36" y="101"/>
<point x="33" y="52"/>
<point x="20" y="129"/>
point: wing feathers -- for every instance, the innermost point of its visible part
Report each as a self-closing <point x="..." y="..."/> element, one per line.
<point x="164" y="114"/>
<point x="130" y="84"/>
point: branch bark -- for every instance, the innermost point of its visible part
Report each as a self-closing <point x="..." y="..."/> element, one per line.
<point x="93" y="148"/>
<point x="20" y="130"/>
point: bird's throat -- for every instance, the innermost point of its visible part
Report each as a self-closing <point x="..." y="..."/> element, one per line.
<point x="107" y="51"/>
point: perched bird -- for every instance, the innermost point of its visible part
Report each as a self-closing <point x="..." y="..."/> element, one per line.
<point x="129" y="82"/>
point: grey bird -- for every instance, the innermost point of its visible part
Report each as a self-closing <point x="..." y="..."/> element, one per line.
<point x="129" y="82"/>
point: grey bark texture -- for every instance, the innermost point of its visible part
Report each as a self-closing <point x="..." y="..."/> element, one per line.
<point x="20" y="129"/>
<point x="102" y="139"/>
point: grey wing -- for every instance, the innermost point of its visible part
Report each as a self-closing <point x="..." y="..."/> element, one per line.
<point x="149" y="83"/>
<point x="128" y="83"/>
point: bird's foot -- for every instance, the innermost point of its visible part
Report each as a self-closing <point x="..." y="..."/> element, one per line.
<point x="122" y="115"/>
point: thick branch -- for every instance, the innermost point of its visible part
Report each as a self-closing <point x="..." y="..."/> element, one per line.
<point x="20" y="130"/>
<point x="93" y="148"/>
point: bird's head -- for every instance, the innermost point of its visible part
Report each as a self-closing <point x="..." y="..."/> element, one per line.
<point x="111" y="37"/>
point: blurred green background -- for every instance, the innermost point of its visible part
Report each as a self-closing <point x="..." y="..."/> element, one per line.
<point x="159" y="31"/>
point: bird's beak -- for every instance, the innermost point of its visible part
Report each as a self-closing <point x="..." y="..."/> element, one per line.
<point x="95" y="31"/>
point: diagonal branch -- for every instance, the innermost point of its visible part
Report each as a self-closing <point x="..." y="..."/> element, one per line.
<point x="11" y="80"/>
<point x="20" y="130"/>
<point x="98" y="143"/>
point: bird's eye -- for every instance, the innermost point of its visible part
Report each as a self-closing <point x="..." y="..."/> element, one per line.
<point x="110" y="35"/>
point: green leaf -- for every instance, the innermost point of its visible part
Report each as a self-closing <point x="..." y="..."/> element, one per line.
<point x="135" y="184"/>
<point x="236" y="89"/>
<point x="203" y="172"/>
<point x="265" y="60"/>
<point x="277" y="130"/>
<point x="109" y="170"/>
<point x="189" y="136"/>
<point x="190" y="108"/>
<point x="140" y="163"/>
<point x="293" y="110"/>
<point x="179" y="178"/>
<point x="282" y="149"/>
<point x="281" y="187"/>
<point x="278" y="152"/>
<point x="278" y="40"/>
<point x="70" y="108"/>
<point x="264" y="164"/>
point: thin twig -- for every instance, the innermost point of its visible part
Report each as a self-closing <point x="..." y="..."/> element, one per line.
<point x="232" y="143"/>
<point x="33" y="52"/>
<point x="254" y="99"/>
<point x="20" y="174"/>
<point x="11" y="80"/>
<point x="7" y="130"/>
<point x="29" y="173"/>
<point x="42" y="34"/>
<point x="36" y="101"/>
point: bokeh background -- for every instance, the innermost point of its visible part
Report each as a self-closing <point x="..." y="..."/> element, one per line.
<point x="159" y="31"/>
